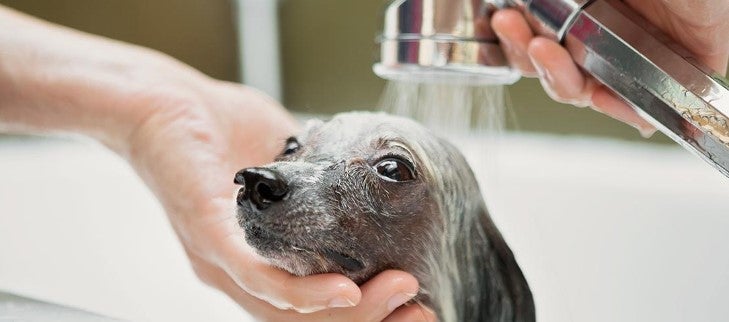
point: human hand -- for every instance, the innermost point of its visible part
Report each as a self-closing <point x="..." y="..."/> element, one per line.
<point x="187" y="151"/>
<point x="700" y="26"/>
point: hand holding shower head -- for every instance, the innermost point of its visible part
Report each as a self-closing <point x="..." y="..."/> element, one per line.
<point x="444" y="40"/>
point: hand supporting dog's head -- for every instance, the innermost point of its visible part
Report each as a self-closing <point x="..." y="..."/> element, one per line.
<point x="367" y="192"/>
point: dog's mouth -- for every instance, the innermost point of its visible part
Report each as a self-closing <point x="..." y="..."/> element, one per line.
<point x="258" y="232"/>
<point x="343" y="260"/>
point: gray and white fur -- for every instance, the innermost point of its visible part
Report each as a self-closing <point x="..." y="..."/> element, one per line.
<point x="366" y="192"/>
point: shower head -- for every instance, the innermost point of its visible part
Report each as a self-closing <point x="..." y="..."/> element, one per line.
<point x="452" y="40"/>
<point x="442" y="41"/>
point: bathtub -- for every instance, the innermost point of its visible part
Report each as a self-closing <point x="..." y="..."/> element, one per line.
<point x="604" y="230"/>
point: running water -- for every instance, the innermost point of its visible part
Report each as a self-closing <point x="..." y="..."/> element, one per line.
<point x="445" y="108"/>
<point x="470" y="117"/>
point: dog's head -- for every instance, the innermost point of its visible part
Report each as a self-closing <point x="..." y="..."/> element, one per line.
<point x="366" y="192"/>
<point x="356" y="195"/>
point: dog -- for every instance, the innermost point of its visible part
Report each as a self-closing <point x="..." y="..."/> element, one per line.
<point x="365" y="192"/>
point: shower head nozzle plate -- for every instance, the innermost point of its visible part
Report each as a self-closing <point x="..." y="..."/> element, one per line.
<point x="452" y="74"/>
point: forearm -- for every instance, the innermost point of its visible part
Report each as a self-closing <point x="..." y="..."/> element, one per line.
<point x="55" y="79"/>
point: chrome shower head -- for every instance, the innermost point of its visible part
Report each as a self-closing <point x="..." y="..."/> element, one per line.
<point x="452" y="40"/>
<point x="442" y="41"/>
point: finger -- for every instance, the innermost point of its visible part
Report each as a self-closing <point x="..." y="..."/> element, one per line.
<point x="514" y="35"/>
<point x="219" y="279"/>
<point x="281" y="289"/>
<point x="412" y="313"/>
<point x="559" y="75"/>
<point x="381" y="295"/>
<point x="384" y="293"/>
<point x="606" y="102"/>
<point x="565" y="82"/>
<point x="261" y="310"/>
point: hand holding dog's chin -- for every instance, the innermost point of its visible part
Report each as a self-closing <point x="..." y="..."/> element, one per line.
<point x="187" y="151"/>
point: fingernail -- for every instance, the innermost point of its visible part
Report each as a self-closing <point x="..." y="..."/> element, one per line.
<point x="646" y="131"/>
<point x="503" y="42"/>
<point x="341" y="302"/>
<point x="399" y="299"/>
<point x="545" y="79"/>
<point x="541" y="71"/>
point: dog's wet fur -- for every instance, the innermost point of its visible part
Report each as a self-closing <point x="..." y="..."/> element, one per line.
<point x="366" y="192"/>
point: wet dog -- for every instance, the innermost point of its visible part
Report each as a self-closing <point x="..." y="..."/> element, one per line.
<point x="366" y="192"/>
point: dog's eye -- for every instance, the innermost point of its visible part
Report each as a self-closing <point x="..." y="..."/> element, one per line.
<point x="292" y="145"/>
<point x="394" y="170"/>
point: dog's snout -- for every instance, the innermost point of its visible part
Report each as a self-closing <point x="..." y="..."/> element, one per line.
<point x="262" y="186"/>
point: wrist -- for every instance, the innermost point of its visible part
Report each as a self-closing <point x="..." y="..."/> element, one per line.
<point x="115" y="98"/>
<point x="54" y="79"/>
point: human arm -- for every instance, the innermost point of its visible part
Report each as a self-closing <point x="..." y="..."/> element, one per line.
<point x="185" y="135"/>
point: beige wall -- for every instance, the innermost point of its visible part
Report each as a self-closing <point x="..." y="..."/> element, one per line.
<point x="198" y="32"/>
<point x="327" y="51"/>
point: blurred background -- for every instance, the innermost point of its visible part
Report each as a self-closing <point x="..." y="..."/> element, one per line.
<point x="326" y="49"/>
<point x="605" y="229"/>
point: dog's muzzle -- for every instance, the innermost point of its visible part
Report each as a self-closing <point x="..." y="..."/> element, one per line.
<point x="261" y="186"/>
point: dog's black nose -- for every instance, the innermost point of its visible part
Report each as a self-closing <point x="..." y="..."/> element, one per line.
<point x="262" y="186"/>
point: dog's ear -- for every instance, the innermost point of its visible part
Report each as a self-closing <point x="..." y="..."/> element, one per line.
<point x="488" y="272"/>
<point x="493" y="287"/>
